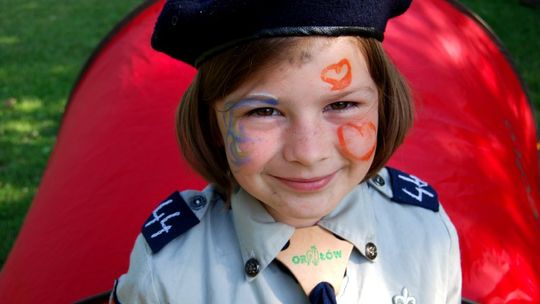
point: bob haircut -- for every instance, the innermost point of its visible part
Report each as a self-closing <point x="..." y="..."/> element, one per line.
<point x="198" y="133"/>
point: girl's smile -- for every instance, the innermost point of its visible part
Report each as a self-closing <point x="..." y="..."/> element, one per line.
<point x="300" y="137"/>
<point x="306" y="184"/>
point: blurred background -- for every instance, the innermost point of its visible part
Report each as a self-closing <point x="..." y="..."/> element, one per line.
<point x="44" y="44"/>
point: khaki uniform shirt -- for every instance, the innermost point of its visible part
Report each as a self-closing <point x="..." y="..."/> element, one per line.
<point x="403" y="254"/>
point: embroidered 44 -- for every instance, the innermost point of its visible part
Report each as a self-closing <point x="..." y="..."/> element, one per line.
<point x="420" y="187"/>
<point x="163" y="222"/>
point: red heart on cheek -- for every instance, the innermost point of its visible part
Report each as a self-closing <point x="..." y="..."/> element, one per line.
<point x="338" y="75"/>
<point x="358" y="142"/>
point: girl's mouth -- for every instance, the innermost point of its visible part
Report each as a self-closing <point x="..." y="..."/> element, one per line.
<point x="306" y="184"/>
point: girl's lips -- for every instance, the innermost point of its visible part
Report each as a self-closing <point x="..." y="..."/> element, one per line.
<point x="306" y="184"/>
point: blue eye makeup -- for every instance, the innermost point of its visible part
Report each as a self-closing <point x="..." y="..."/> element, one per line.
<point x="251" y="102"/>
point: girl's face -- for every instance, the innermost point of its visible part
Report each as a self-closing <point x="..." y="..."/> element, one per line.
<point x="302" y="135"/>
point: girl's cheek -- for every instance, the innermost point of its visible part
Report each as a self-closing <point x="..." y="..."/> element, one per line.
<point x="250" y="147"/>
<point x="357" y="141"/>
<point x="238" y="140"/>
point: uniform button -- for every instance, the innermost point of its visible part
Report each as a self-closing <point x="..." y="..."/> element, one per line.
<point x="197" y="202"/>
<point x="378" y="180"/>
<point x="371" y="251"/>
<point x="252" y="267"/>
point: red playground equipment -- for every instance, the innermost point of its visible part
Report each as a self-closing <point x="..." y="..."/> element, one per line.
<point x="116" y="156"/>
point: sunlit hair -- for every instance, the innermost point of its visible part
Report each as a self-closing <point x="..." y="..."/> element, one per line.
<point x="197" y="128"/>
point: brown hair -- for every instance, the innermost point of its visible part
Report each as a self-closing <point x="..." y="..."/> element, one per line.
<point x="198" y="132"/>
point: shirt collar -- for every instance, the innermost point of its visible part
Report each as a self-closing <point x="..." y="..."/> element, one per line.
<point x="259" y="235"/>
<point x="262" y="238"/>
<point x="354" y="220"/>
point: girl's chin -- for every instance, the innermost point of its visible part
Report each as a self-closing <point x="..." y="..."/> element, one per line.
<point x="300" y="217"/>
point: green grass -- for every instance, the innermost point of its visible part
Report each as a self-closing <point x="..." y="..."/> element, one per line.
<point x="43" y="45"/>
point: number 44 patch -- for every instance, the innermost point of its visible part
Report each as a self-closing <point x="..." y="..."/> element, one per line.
<point x="409" y="189"/>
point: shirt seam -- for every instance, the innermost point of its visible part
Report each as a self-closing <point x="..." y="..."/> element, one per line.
<point x="450" y="247"/>
<point x="151" y="273"/>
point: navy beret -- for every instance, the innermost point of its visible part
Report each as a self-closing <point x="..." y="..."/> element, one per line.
<point x="193" y="30"/>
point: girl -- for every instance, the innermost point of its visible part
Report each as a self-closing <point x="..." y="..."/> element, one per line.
<point x="291" y="118"/>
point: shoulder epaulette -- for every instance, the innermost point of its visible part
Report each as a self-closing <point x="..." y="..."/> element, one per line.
<point x="407" y="189"/>
<point x="171" y="218"/>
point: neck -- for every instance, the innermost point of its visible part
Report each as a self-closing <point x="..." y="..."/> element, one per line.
<point x="297" y="222"/>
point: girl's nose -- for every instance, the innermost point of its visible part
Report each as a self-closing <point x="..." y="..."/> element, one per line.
<point x="307" y="144"/>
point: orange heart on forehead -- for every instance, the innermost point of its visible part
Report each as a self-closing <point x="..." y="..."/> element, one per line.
<point x="338" y="75"/>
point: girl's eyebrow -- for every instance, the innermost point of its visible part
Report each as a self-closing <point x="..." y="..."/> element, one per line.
<point x="367" y="91"/>
<point x="251" y="99"/>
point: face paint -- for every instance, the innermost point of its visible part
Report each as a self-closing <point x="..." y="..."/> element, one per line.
<point x="339" y="75"/>
<point x="235" y="135"/>
<point x="357" y="142"/>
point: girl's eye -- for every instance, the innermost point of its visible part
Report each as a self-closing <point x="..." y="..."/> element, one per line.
<point x="263" y="112"/>
<point x="340" y="105"/>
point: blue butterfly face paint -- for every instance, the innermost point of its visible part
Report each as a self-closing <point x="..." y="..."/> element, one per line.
<point x="236" y="134"/>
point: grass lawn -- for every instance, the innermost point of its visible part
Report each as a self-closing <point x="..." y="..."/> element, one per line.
<point x="44" y="44"/>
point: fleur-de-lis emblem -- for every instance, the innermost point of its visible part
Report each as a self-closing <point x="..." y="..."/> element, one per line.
<point x="404" y="298"/>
